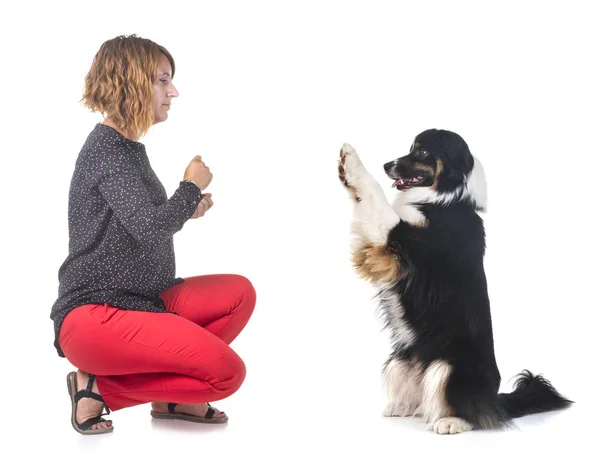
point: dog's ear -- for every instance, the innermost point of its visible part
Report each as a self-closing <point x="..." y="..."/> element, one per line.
<point x="459" y="160"/>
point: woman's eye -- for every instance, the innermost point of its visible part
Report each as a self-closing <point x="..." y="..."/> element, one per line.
<point x="163" y="81"/>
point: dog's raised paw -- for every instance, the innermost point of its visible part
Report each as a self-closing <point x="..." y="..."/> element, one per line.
<point x="350" y="169"/>
<point x="451" y="426"/>
<point x="342" y="170"/>
<point x="347" y="148"/>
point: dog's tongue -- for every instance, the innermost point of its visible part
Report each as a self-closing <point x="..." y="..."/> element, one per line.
<point x="399" y="182"/>
<point x="407" y="182"/>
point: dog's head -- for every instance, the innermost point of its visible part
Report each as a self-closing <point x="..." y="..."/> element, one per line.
<point x="439" y="162"/>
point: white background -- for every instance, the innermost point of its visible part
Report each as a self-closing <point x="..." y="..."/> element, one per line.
<point x="269" y="93"/>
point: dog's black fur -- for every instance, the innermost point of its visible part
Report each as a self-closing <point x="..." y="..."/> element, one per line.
<point x="443" y="288"/>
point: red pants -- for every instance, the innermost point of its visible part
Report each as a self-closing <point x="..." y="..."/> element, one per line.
<point x="140" y="356"/>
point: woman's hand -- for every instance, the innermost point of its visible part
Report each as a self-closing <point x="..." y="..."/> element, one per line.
<point x="204" y="205"/>
<point x="198" y="172"/>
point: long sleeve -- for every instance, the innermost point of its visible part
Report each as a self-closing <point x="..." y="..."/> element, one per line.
<point x="125" y="193"/>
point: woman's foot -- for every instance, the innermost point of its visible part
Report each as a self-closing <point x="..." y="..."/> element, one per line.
<point x="87" y="407"/>
<point x="198" y="410"/>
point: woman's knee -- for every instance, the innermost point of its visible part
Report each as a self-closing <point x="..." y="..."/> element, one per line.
<point x="236" y="374"/>
<point x="245" y="289"/>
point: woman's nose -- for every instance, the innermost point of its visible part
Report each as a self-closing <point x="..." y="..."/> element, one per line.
<point x="172" y="92"/>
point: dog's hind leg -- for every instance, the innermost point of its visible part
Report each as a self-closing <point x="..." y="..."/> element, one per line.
<point x="437" y="411"/>
<point x="402" y="379"/>
<point x="372" y="222"/>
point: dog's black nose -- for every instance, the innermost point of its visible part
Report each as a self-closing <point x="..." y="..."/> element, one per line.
<point x="389" y="167"/>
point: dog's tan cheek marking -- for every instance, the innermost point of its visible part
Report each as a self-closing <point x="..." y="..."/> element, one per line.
<point x="436" y="176"/>
<point x="425" y="168"/>
<point x="376" y="264"/>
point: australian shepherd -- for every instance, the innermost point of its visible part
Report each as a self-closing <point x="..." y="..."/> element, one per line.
<point x="424" y="255"/>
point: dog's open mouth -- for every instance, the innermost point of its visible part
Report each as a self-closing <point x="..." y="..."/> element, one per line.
<point x="403" y="183"/>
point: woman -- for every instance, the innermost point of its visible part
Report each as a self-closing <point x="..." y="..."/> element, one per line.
<point x="136" y="332"/>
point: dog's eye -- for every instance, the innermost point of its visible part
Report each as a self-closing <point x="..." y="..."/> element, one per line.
<point x="422" y="153"/>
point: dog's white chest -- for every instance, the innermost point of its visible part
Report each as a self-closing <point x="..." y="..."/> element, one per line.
<point x="402" y="335"/>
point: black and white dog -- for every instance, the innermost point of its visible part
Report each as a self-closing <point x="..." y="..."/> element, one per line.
<point x="424" y="255"/>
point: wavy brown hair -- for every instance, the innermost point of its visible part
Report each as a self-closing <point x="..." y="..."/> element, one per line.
<point x="119" y="83"/>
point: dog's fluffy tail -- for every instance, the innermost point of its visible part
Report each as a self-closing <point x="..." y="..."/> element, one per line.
<point x="532" y="394"/>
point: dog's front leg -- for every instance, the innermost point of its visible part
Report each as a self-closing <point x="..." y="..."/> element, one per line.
<point x="373" y="219"/>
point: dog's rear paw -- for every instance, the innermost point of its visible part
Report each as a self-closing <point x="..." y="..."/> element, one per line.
<point x="451" y="426"/>
<point x="350" y="169"/>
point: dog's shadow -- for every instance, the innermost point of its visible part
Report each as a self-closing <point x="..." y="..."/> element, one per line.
<point x="410" y="423"/>
<point x="416" y="424"/>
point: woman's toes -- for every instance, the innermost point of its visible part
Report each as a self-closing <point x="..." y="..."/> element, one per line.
<point x="100" y="425"/>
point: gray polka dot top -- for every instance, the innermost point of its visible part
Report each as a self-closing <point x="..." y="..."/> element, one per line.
<point x="121" y="227"/>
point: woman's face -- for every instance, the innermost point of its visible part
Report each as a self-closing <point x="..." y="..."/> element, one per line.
<point x="162" y="91"/>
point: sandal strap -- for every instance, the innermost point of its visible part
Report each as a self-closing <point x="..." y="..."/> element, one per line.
<point x="210" y="412"/>
<point x="87" y="392"/>
<point x="91" y="379"/>
<point x="90" y="422"/>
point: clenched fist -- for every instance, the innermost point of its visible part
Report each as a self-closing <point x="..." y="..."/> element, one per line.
<point x="198" y="172"/>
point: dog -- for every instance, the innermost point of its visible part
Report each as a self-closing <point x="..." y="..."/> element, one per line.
<point x="424" y="254"/>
